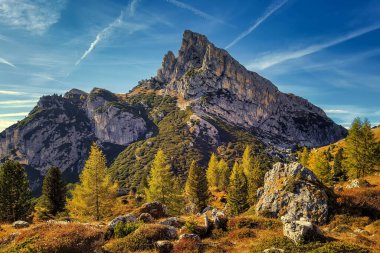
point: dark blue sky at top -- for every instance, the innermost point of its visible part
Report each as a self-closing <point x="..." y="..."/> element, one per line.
<point x="325" y="51"/>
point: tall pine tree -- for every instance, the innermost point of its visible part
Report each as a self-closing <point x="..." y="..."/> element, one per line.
<point x="339" y="173"/>
<point x="54" y="191"/>
<point x="15" y="193"/>
<point x="196" y="189"/>
<point x="212" y="172"/>
<point x="224" y="175"/>
<point x="360" y="148"/>
<point x="237" y="199"/>
<point x="163" y="186"/>
<point x="94" y="197"/>
<point x="322" y="168"/>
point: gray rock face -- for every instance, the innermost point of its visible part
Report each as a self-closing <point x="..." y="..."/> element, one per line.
<point x="294" y="192"/>
<point x="219" y="86"/>
<point x="129" y="218"/>
<point x="173" y="221"/>
<point x="302" y="231"/>
<point x="59" y="130"/>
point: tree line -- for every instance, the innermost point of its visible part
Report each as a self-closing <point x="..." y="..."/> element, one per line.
<point x="94" y="196"/>
<point x="356" y="157"/>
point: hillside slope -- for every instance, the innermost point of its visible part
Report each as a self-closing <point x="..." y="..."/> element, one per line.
<point x="201" y="101"/>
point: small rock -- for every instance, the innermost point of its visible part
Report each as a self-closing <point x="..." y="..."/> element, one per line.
<point x="220" y="220"/>
<point x="146" y="218"/>
<point x="172" y="221"/>
<point x="358" y="183"/>
<point x="190" y="236"/>
<point x="172" y="232"/>
<point x="206" y="209"/>
<point x="273" y="250"/>
<point x="302" y="231"/>
<point x="124" y="219"/>
<point x="164" y="246"/>
<point x="20" y="224"/>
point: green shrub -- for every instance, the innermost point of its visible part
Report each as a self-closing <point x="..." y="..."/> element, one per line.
<point x="340" y="247"/>
<point x="191" y="225"/>
<point x="123" y="229"/>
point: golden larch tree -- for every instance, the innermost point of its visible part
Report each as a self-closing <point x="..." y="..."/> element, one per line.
<point x="95" y="195"/>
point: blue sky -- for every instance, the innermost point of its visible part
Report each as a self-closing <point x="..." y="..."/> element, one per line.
<point x="325" y="51"/>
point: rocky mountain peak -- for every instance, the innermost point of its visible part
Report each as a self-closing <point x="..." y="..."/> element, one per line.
<point x="217" y="85"/>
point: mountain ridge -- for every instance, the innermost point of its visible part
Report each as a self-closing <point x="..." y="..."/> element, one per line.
<point x="203" y="98"/>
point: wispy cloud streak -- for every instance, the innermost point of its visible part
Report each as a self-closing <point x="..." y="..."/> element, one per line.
<point x="17" y="102"/>
<point x="15" y="114"/>
<point x="101" y="36"/>
<point x="10" y="92"/>
<point x="3" y="61"/>
<point x="132" y="7"/>
<point x="271" y="9"/>
<point x="195" y="11"/>
<point x="276" y="58"/>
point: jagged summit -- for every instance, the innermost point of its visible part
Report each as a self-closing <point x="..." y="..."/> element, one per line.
<point x="218" y="86"/>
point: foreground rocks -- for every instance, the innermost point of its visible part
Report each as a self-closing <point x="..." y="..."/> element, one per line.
<point x="122" y="219"/>
<point x="358" y="183"/>
<point x="20" y="224"/>
<point x="302" y="231"/>
<point x="155" y="209"/>
<point x="293" y="191"/>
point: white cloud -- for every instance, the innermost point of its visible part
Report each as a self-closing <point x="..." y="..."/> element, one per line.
<point x="6" y="123"/>
<point x="268" y="12"/>
<point x="34" y="16"/>
<point x="101" y="36"/>
<point x="336" y="111"/>
<point x="195" y="11"/>
<point x="132" y="7"/>
<point x="17" y="102"/>
<point x="15" y="114"/>
<point x="4" y="61"/>
<point x="12" y="93"/>
<point x="279" y="57"/>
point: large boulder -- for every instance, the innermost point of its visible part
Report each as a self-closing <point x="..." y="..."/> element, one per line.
<point x="20" y="224"/>
<point x="293" y="191"/>
<point x="302" y="231"/>
<point x="164" y="246"/>
<point x="155" y="208"/>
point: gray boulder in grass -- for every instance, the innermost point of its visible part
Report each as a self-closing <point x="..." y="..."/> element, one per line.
<point x="293" y="191"/>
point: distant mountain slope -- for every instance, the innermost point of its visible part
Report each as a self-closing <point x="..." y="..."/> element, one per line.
<point x="201" y="101"/>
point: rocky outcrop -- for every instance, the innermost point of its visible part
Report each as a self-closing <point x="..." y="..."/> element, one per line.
<point x="20" y="224"/>
<point x="59" y="131"/>
<point x="302" y="231"/>
<point x="294" y="192"/>
<point x="155" y="208"/>
<point x="219" y="86"/>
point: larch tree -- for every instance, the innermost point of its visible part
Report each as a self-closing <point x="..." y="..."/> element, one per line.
<point x="212" y="172"/>
<point x="95" y="195"/>
<point x="224" y="175"/>
<point x="322" y="168"/>
<point x="15" y="193"/>
<point x="339" y="173"/>
<point x="360" y="148"/>
<point x="163" y="186"/>
<point x="237" y="198"/>
<point x="196" y="188"/>
<point x="54" y="191"/>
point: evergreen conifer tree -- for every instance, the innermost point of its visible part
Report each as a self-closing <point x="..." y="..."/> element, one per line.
<point x="304" y="157"/>
<point x="224" y="175"/>
<point x="339" y="173"/>
<point x="196" y="189"/>
<point x="163" y="186"/>
<point x="322" y="168"/>
<point x="237" y="199"/>
<point x="15" y="193"/>
<point x="212" y="172"/>
<point x="54" y="191"/>
<point x="95" y="195"/>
